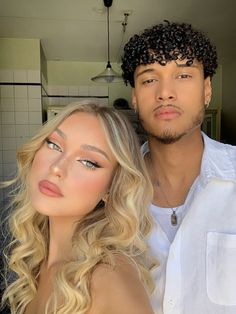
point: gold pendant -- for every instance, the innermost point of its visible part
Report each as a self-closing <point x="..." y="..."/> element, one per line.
<point x="174" y="219"/>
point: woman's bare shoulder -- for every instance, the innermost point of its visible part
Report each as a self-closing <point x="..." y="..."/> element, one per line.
<point x="118" y="290"/>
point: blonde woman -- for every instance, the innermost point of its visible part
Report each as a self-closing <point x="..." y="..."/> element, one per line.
<point x="80" y="218"/>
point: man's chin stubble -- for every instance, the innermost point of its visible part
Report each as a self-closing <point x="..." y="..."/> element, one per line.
<point x="167" y="137"/>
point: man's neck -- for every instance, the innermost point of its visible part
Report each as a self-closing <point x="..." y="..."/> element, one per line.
<point x="175" y="167"/>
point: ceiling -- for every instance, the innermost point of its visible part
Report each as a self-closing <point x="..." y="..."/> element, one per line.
<point x="76" y="30"/>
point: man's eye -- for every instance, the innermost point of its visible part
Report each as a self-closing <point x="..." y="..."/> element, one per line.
<point x="53" y="145"/>
<point x="184" y="76"/>
<point x="149" y="81"/>
<point x="89" y="164"/>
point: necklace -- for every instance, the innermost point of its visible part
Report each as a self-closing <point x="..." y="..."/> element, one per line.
<point x="173" y="217"/>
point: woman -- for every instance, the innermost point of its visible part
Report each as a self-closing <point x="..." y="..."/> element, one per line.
<point x="80" y="218"/>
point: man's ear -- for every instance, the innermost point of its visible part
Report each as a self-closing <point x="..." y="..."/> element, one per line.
<point x="208" y="90"/>
<point x="134" y="100"/>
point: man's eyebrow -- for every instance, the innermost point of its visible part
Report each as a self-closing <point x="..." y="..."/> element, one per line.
<point x="185" y="65"/>
<point x="94" y="149"/>
<point x="148" y="70"/>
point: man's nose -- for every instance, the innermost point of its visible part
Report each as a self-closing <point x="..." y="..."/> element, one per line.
<point x="166" y="90"/>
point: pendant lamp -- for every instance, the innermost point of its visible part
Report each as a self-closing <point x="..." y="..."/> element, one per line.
<point x="108" y="75"/>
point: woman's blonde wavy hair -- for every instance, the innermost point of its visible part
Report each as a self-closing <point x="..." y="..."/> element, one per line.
<point x="112" y="229"/>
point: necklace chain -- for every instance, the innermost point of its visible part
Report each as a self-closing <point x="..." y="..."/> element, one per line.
<point x="173" y="217"/>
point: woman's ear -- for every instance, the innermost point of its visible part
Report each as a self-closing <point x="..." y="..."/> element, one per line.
<point x="100" y="204"/>
<point x="105" y="197"/>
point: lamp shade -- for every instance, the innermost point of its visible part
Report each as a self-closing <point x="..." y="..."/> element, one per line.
<point x="108" y="76"/>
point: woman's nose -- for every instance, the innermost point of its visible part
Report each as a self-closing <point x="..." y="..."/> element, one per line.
<point x="59" y="167"/>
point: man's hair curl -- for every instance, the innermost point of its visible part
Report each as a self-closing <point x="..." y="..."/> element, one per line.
<point x="166" y="42"/>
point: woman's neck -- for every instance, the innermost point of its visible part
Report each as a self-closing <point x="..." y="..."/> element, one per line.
<point x="61" y="231"/>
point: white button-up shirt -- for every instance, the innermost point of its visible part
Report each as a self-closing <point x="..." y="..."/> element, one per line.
<point x="197" y="272"/>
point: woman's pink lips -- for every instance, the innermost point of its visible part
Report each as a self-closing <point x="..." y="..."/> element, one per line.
<point x="166" y="113"/>
<point x="49" y="189"/>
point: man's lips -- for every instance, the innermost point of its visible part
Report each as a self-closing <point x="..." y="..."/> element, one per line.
<point x="166" y="113"/>
<point x="50" y="189"/>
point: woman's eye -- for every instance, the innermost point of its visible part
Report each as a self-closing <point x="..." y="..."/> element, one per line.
<point x="53" y="145"/>
<point x="89" y="164"/>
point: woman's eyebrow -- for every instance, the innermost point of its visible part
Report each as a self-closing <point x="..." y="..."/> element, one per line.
<point x="60" y="133"/>
<point x="94" y="149"/>
<point x="85" y="146"/>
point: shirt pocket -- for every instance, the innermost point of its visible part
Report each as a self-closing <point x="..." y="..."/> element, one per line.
<point x="221" y="268"/>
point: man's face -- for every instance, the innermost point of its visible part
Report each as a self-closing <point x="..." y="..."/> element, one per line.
<point x="170" y="99"/>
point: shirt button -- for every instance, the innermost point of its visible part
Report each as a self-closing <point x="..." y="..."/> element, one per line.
<point x="171" y="302"/>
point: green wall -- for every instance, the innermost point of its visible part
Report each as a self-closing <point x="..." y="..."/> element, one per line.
<point x="229" y="105"/>
<point x="44" y="70"/>
<point x="20" y="53"/>
<point x="80" y="73"/>
<point x="216" y="101"/>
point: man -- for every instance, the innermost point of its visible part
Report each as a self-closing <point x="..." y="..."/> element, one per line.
<point x="170" y="67"/>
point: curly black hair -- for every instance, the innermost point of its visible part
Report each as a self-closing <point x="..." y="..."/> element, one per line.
<point x="165" y="42"/>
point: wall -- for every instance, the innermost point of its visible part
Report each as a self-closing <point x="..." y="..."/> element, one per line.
<point x="229" y="105"/>
<point x="19" y="54"/>
<point x="43" y="66"/>
<point x="20" y="99"/>
<point x="79" y="74"/>
<point x="216" y="101"/>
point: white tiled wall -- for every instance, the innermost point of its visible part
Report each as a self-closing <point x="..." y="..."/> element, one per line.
<point x="20" y="116"/>
<point x="76" y="93"/>
<point x="20" y="76"/>
<point x="21" y="110"/>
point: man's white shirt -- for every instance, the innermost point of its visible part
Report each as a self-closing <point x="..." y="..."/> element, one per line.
<point x="197" y="272"/>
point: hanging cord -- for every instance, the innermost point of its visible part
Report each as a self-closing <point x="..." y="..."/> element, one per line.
<point x="108" y="36"/>
<point x="124" y="26"/>
<point x="125" y="22"/>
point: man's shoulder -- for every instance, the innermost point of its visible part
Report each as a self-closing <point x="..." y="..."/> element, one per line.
<point x="220" y="157"/>
<point x="219" y="147"/>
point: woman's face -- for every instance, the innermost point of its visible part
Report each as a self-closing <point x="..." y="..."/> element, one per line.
<point x="73" y="169"/>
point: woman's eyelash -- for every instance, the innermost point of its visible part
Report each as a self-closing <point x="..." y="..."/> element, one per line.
<point x="89" y="164"/>
<point x="53" y="145"/>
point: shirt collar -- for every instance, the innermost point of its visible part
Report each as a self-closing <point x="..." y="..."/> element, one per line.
<point x="218" y="160"/>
